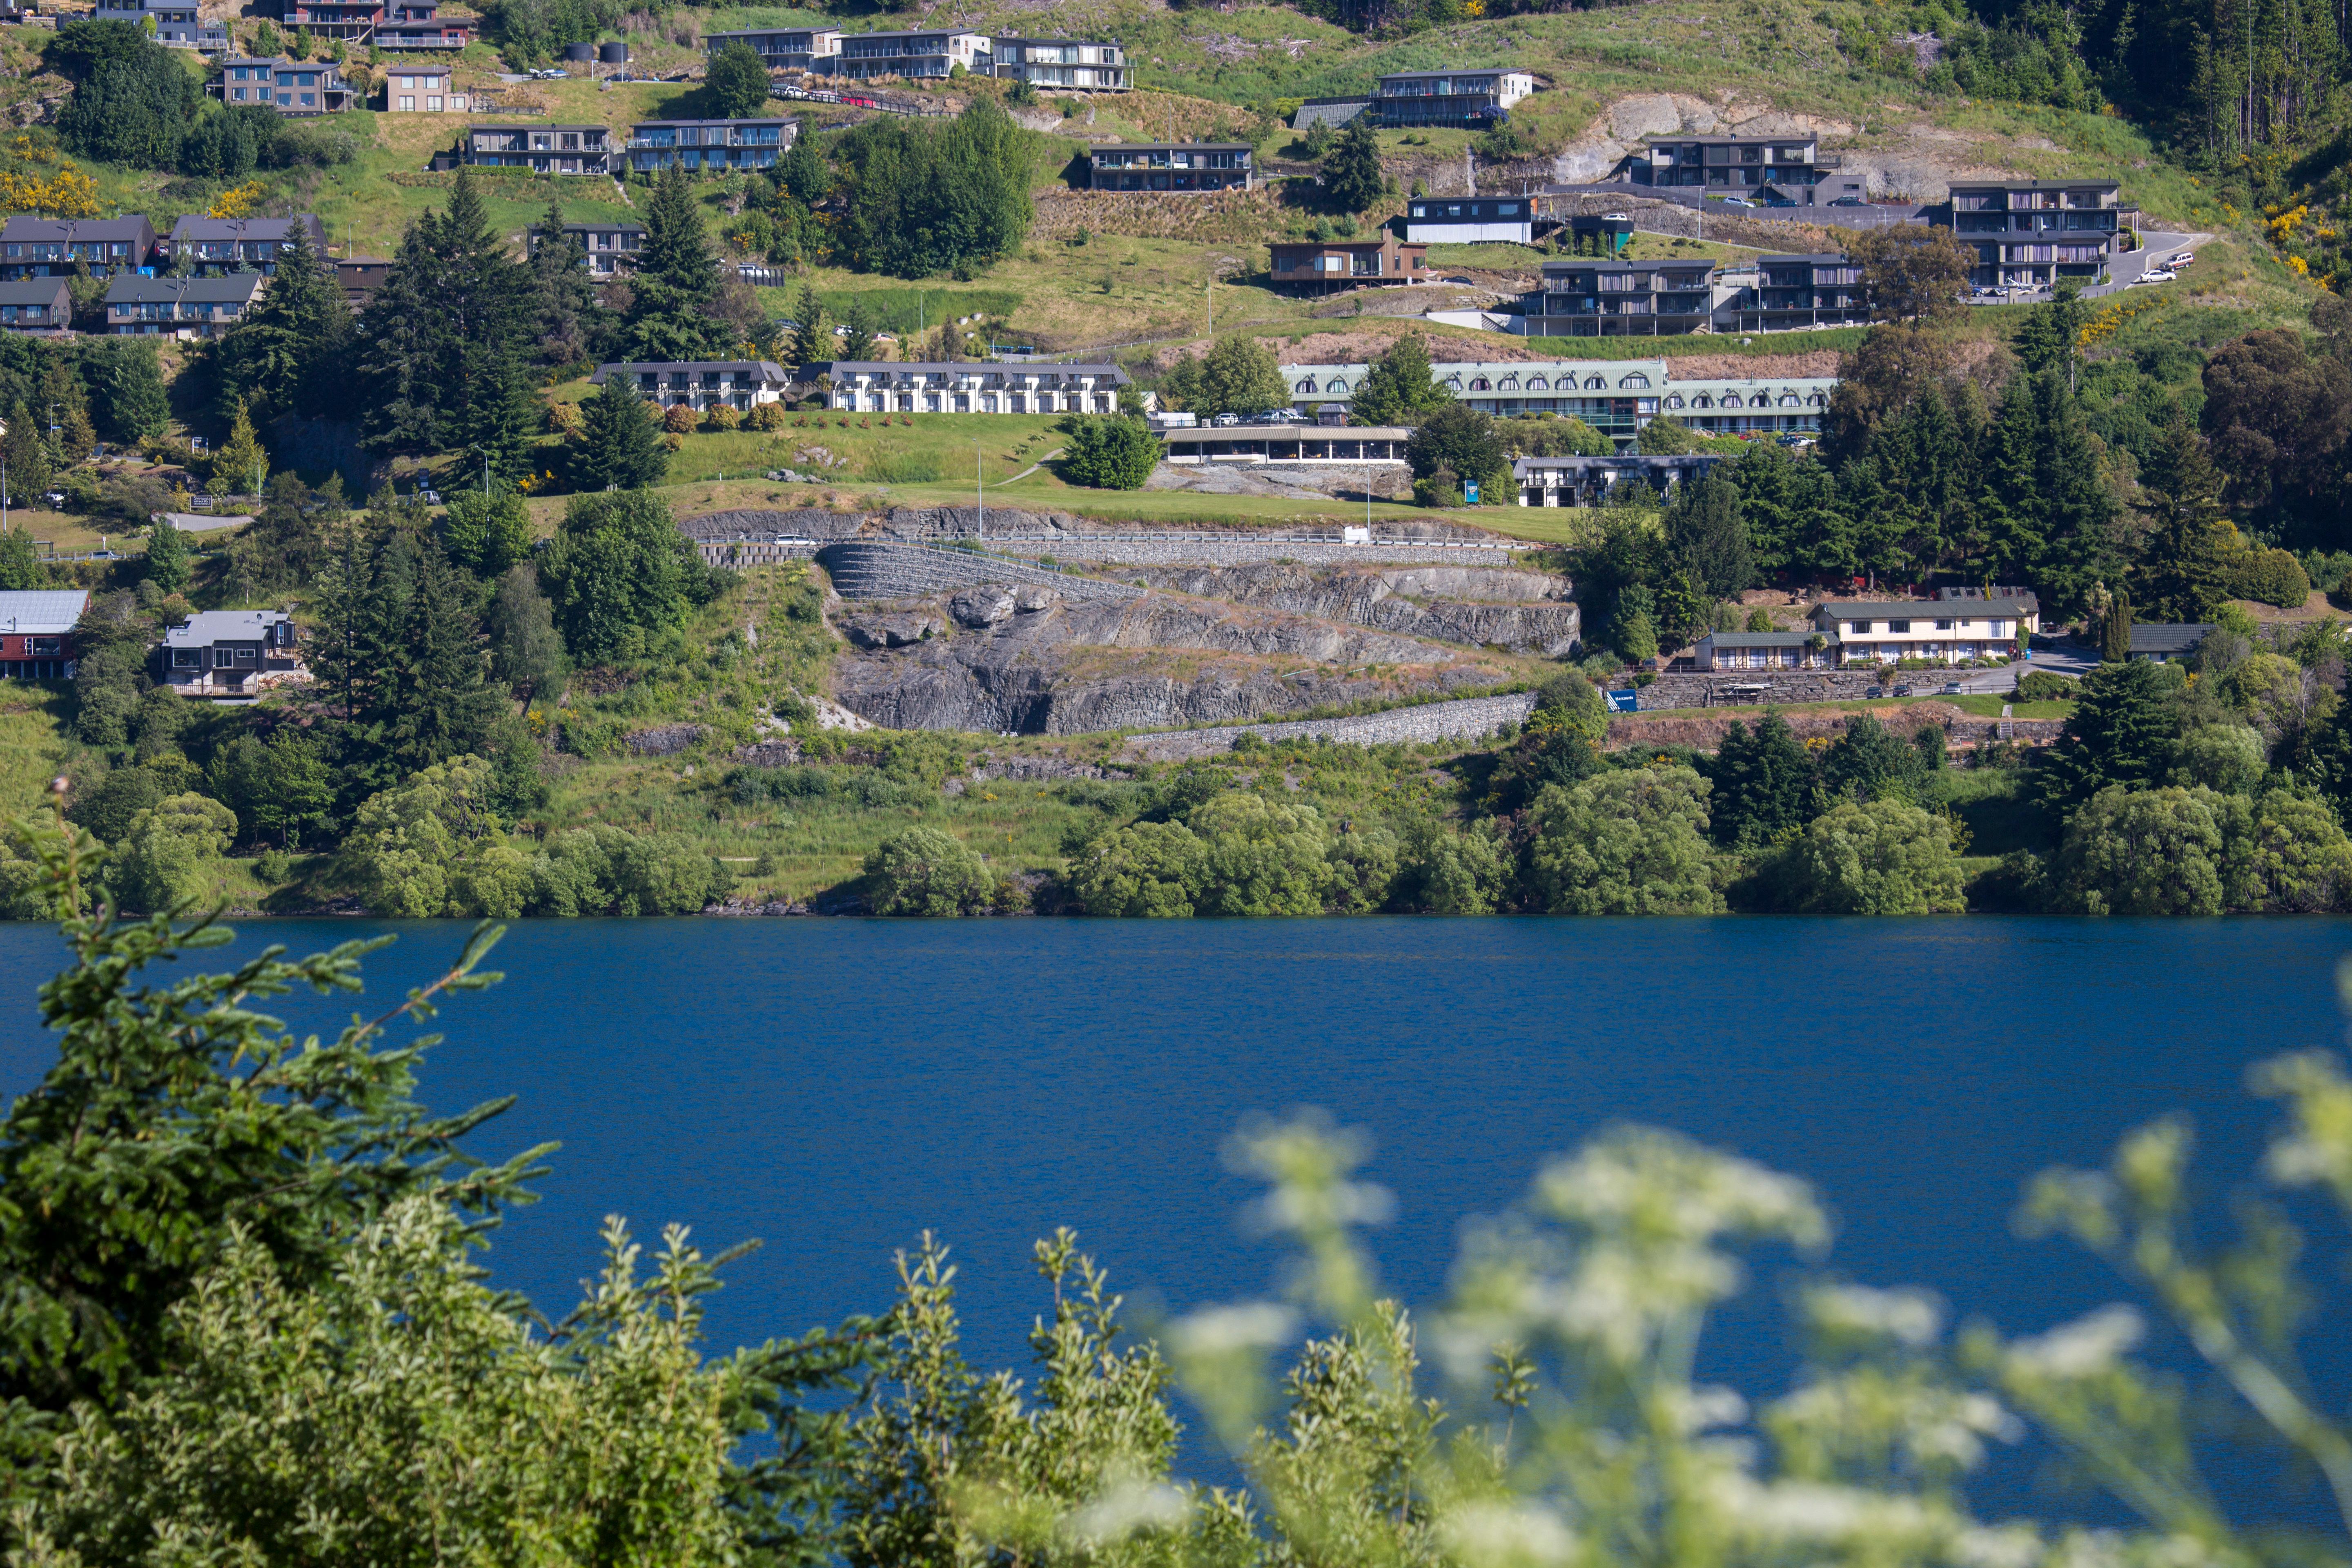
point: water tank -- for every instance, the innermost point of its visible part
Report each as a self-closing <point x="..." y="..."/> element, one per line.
<point x="612" y="54"/>
<point x="578" y="51"/>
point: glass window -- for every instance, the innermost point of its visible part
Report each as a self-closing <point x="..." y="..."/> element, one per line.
<point x="1898" y="626"/>
<point x="1858" y="628"/>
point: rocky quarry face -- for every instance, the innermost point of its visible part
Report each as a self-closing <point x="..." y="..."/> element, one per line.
<point x="1025" y="658"/>
<point x="1518" y="612"/>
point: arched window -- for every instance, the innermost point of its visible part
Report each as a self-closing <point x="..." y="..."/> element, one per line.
<point x="1818" y="401"/>
<point x="1636" y="379"/>
<point x="1673" y="400"/>
<point x="1508" y="384"/>
<point x="1478" y="384"/>
<point x="1594" y="384"/>
<point x="1538" y="384"/>
<point x="1454" y="382"/>
<point x="1335" y="387"/>
<point x="1788" y="400"/>
<point x="1701" y="401"/>
<point x="1307" y="386"/>
<point x="1731" y="400"/>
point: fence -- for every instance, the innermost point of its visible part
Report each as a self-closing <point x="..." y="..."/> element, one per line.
<point x="912" y="107"/>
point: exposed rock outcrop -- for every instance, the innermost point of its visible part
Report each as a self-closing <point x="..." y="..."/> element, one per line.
<point x="1519" y="612"/>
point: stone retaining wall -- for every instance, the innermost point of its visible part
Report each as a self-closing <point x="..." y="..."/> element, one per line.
<point x="866" y="571"/>
<point x="1457" y="721"/>
<point x="1249" y="552"/>
<point x="1750" y="687"/>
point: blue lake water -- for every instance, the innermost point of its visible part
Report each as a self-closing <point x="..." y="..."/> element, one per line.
<point x="835" y="1087"/>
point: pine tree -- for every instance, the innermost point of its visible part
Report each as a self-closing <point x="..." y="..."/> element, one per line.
<point x="132" y="396"/>
<point x="27" y="459"/>
<point x="1398" y="387"/>
<point x="280" y="357"/>
<point x="241" y="461"/>
<point x="435" y="703"/>
<point x="809" y="345"/>
<point x="167" y="557"/>
<point x="1352" y="173"/>
<point x="2115" y="637"/>
<point x="677" y="280"/>
<point x="858" y="342"/>
<point x="1705" y="532"/>
<point x="1763" y="784"/>
<point x="2181" y="571"/>
<point x="620" y="441"/>
<point x="569" y="314"/>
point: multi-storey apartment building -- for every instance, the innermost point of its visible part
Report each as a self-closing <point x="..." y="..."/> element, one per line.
<point x="1606" y="299"/>
<point x="422" y="90"/>
<point x="1794" y="292"/>
<point x="702" y="385"/>
<point x="216" y="245"/>
<point x="1321" y="266"/>
<point x="1471" y="220"/>
<point x="916" y="53"/>
<point x="419" y="25"/>
<point x="350" y="20"/>
<point x="698" y="144"/>
<point x="1791" y="170"/>
<point x="1479" y="98"/>
<point x="1788" y="405"/>
<point x="1086" y="65"/>
<point x="292" y="87"/>
<point x="1587" y="480"/>
<point x="607" y="249"/>
<point x="35" y="305"/>
<point x="177" y="25"/>
<point x="549" y="149"/>
<point x="1616" y="397"/>
<point x="983" y="386"/>
<point x="48" y="246"/>
<point x="2030" y="233"/>
<point x="179" y="307"/>
<point x="784" y="48"/>
<point x="1170" y="166"/>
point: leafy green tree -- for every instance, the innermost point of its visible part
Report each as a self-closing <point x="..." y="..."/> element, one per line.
<point x="735" y="83"/>
<point x="526" y="650"/>
<point x="1878" y="857"/>
<point x="857" y="343"/>
<point x="1707" y="531"/>
<point x="285" y="355"/>
<point x="167" y="557"/>
<point x="1912" y="274"/>
<point x="431" y="847"/>
<point x="1398" y="387"/>
<point x="923" y="871"/>
<point x="2148" y="852"/>
<point x="2181" y="576"/>
<point x="1867" y="763"/>
<point x="924" y="199"/>
<point x="1261" y="857"/>
<point x="1629" y="842"/>
<point x="620" y="444"/>
<point x="677" y="279"/>
<point x="1463" y="438"/>
<point x="486" y="532"/>
<point x="1764" y="784"/>
<point x="802" y="174"/>
<point x="620" y="575"/>
<point x="128" y="382"/>
<point x="133" y="103"/>
<point x="20" y="563"/>
<point x="169" y="850"/>
<point x="1240" y="376"/>
<point x="1441" y="871"/>
<point x="2114" y="629"/>
<point x="109" y="808"/>
<point x="282" y="790"/>
<point x="1110" y="453"/>
<point x="1144" y="869"/>
<point x="287" y="539"/>
<point x="2228" y="759"/>
<point x="1351" y="171"/>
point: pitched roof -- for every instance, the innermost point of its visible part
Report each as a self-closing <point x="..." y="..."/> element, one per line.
<point x="42" y="609"/>
<point x="33" y="292"/>
<point x="236" y="288"/>
<point x="190" y="226"/>
<point x="108" y="228"/>
<point x="2160" y="637"/>
<point x="1923" y="609"/>
<point x="1763" y="639"/>
<point x="769" y="370"/>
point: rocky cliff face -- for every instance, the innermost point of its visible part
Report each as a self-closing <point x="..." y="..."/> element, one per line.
<point x="1518" y="612"/>
<point x="1025" y="660"/>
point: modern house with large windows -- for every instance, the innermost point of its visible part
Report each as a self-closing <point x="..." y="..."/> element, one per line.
<point x="35" y="305"/>
<point x="296" y="89"/>
<point x="1471" y="220"/>
<point x="1796" y="293"/>
<point x="212" y="246"/>
<point x="418" y="25"/>
<point x="1779" y="170"/>
<point x="230" y="653"/>
<point x="2030" y="233"/>
<point x="699" y="144"/>
<point x="1320" y="266"/>
<point x="915" y="53"/>
<point x="48" y="246"/>
<point x="549" y="149"/>
<point x="422" y="90"/>
<point x="37" y="632"/>
<point x="977" y="386"/>
<point x="1616" y="397"/>
<point x="176" y="22"/>
<point x="1463" y="98"/>
<point x="784" y="48"/>
<point x="607" y="248"/>
<point x="179" y="307"/>
<point x="702" y="385"/>
<point x="1170" y="166"/>
<point x="1584" y="297"/>
<point x="1085" y="64"/>
<point x="1587" y="481"/>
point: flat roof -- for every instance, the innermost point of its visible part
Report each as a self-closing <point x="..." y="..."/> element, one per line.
<point x="1922" y="609"/>
<point x="777" y="119"/>
<point x="1764" y="639"/>
<point x="1024" y="39"/>
<point x="195" y="226"/>
<point x="2033" y="185"/>
<point x="765" y="32"/>
<point x="526" y="125"/>
<point x="1170" y="147"/>
<point x="1815" y="258"/>
<point x="917" y="33"/>
<point x="1295" y="428"/>
<point x="1738" y="141"/>
<point x="1464" y="70"/>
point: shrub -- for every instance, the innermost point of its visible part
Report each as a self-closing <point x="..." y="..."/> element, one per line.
<point x="1110" y="454"/>
<point x="2046" y="686"/>
<point x="679" y="419"/>
<point x="1883" y="857"/>
<point x="1625" y="843"/>
<point x="721" y="417"/>
<point x="768" y="416"/>
<point x="165" y="855"/>
<point x="1145" y="869"/>
<point x="923" y="871"/>
<point x="2267" y="577"/>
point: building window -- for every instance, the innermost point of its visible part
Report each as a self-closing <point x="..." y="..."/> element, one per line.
<point x="1898" y="626"/>
<point x="408" y="103"/>
<point x="1858" y="628"/>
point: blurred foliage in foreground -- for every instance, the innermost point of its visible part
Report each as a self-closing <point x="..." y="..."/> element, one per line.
<point x="241" y="1323"/>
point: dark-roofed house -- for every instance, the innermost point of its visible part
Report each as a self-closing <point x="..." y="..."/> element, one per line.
<point x="414" y="24"/>
<point x="1170" y="166"/>
<point x="37" y="632"/>
<point x="1941" y="631"/>
<point x="360" y="276"/>
<point x="549" y="149"/>
<point x="213" y="246"/>
<point x="230" y="653"/>
<point x="2162" y="642"/>
<point x="1478" y="97"/>
<point x="1320" y="267"/>
<point x="699" y="144"/>
<point x="176" y="22"/>
<point x="1471" y="220"/>
<point x="293" y="88"/>
<point x="182" y="307"/>
<point x="48" y="246"/>
<point x="1089" y="65"/>
<point x="609" y="248"/>
<point x="35" y="305"/>
<point x="918" y="52"/>
<point x="1587" y="480"/>
<point x="1765" y="650"/>
<point x="962" y="386"/>
<point x="1779" y="170"/>
<point x="702" y="383"/>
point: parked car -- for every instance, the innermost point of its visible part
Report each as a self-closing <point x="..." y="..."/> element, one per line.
<point x="2181" y="259"/>
<point x="2155" y="276"/>
<point x="1903" y="692"/>
<point x="1951" y="689"/>
<point x="1849" y="201"/>
<point x="1740" y="202"/>
<point x="1277" y="416"/>
<point x="1224" y="420"/>
<point x="1472" y="282"/>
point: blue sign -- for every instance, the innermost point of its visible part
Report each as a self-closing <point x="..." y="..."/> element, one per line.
<point x="1624" y="701"/>
<point x="1470" y="494"/>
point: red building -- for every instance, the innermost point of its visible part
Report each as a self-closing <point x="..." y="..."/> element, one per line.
<point x="37" y="633"/>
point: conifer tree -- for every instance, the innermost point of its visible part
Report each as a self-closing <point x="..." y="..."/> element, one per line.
<point x="570" y="318"/>
<point x="810" y="344"/>
<point x="241" y="461"/>
<point x="677" y="279"/>
<point x="62" y="402"/>
<point x="1707" y="534"/>
<point x="1399" y="388"/>
<point x="167" y="557"/>
<point x="858" y="342"/>
<point x="27" y="459"/>
<point x="435" y="702"/>
<point x="2181" y="576"/>
<point x="620" y="442"/>
<point x="279" y="358"/>
<point x="1764" y="783"/>
<point x="1351" y="171"/>
<point x="2115" y="636"/>
<point x="131" y="400"/>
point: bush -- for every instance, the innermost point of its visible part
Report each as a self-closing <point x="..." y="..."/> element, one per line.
<point x="165" y="856"/>
<point x="1110" y="454"/>
<point x="721" y="417"/>
<point x="768" y="416"/>
<point x="1883" y="857"/>
<point x="679" y="419"/>
<point x="1625" y="843"/>
<point x="2046" y="686"/>
<point x="923" y="871"/>
<point x="2267" y="577"/>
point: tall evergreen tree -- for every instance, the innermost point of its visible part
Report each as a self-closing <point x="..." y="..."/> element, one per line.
<point x="435" y="703"/>
<point x="132" y="404"/>
<point x="2050" y="517"/>
<point x="1790" y="504"/>
<point x="280" y="359"/>
<point x="241" y="461"/>
<point x="857" y="343"/>
<point x="677" y="280"/>
<point x="1398" y="387"/>
<point x="809" y="342"/>
<point x="2122" y="731"/>
<point x="167" y="557"/>
<point x="2115" y="631"/>
<point x="1351" y="170"/>
<point x="1764" y="783"/>
<point x="1706" y="534"/>
<point x="2181" y="571"/>
<point x="620" y="442"/>
<point x="570" y="318"/>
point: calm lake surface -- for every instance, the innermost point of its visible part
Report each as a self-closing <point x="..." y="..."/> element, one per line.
<point x="835" y="1087"/>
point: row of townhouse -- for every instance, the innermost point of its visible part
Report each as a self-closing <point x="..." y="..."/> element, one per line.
<point x="215" y="653"/>
<point x="1780" y="171"/>
<point x="1616" y="397"/>
<point x="53" y="248"/>
<point x="1086" y="65"/>
<point x="878" y="386"/>
<point x="696" y="144"/>
<point x="1958" y="626"/>
<point x="174" y="24"/>
<point x="2030" y="233"/>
